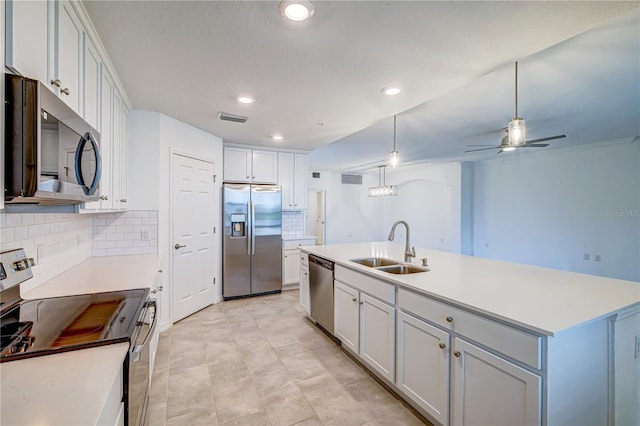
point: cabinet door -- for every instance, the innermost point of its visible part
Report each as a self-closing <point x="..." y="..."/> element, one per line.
<point x="91" y="77"/>
<point x="346" y="315"/>
<point x="490" y="390"/>
<point x="116" y="127"/>
<point x="423" y="365"/>
<point x="265" y="167"/>
<point x="285" y="178"/>
<point x="124" y="158"/>
<point x="68" y="61"/>
<point x="290" y="267"/>
<point x="27" y="37"/>
<point x="237" y="164"/>
<point x="304" y="288"/>
<point x="300" y="192"/>
<point x="377" y="335"/>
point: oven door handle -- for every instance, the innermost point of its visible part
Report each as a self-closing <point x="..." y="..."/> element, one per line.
<point x="135" y="353"/>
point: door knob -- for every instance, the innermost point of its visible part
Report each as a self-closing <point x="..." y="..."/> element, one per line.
<point x="178" y="246"/>
<point x="442" y="345"/>
<point x="56" y="82"/>
<point x="65" y="91"/>
<point x="457" y="354"/>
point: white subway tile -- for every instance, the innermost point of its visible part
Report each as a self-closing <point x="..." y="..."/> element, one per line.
<point x="99" y="252"/>
<point x="132" y="236"/>
<point x="133" y="250"/>
<point x="34" y="231"/>
<point x="114" y="237"/>
<point x="124" y="228"/>
<point x="104" y="244"/>
<point x="139" y="213"/>
<point x="123" y="243"/>
<point x="21" y="232"/>
<point x="150" y="221"/>
<point x="27" y="219"/>
<point x="141" y="243"/>
<point x="133" y="221"/>
<point x="14" y="219"/>
<point x="99" y="221"/>
<point x="153" y="213"/>
<point x="115" y="251"/>
<point x="99" y="237"/>
<point x="7" y="235"/>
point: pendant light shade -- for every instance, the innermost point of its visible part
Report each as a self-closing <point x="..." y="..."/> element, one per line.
<point x="394" y="156"/>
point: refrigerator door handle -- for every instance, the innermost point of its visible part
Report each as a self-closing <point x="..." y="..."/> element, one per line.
<point x="249" y="229"/>
<point x="253" y="229"/>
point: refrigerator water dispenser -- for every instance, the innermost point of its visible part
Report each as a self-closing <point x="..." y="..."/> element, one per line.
<point x="238" y="225"/>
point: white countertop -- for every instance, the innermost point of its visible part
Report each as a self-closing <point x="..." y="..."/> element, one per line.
<point x="97" y="274"/>
<point x="545" y="301"/>
<point x="63" y="389"/>
<point x="70" y="388"/>
<point x="299" y="237"/>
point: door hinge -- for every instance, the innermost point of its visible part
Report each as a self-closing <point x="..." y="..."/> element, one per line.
<point x="214" y="229"/>
<point x="214" y="177"/>
<point x="214" y="280"/>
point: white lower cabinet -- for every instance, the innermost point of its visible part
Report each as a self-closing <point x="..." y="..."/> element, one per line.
<point x="366" y="326"/>
<point x="488" y="390"/>
<point x="423" y="365"/>
<point x="378" y="335"/>
<point x="291" y="261"/>
<point x="346" y="320"/>
<point x="304" y="283"/>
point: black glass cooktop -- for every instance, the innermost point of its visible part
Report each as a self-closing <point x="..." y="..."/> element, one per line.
<point x="59" y="324"/>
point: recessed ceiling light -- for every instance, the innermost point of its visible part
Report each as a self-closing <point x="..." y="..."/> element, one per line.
<point x="277" y="137"/>
<point x="391" y="91"/>
<point x="296" y="10"/>
<point x="245" y="99"/>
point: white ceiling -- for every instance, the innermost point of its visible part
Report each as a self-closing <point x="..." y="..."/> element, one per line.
<point x="319" y="82"/>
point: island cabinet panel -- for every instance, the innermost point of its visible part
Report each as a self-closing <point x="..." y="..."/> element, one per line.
<point x="517" y="344"/>
<point x="347" y="316"/>
<point x="377" y="335"/>
<point x="422" y="365"/>
<point x="375" y="287"/>
<point x="488" y="390"/>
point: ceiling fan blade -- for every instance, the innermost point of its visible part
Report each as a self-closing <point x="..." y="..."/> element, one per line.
<point x="480" y="145"/>
<point x="550" y="138"/>
<point x="534" y="145"/>
<point x="483" y="149"/>
<point x="502" y="150"/>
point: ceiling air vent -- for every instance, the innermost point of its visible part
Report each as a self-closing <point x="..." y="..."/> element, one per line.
<point x="225" y="116"/>
<point x="351" y="179"/>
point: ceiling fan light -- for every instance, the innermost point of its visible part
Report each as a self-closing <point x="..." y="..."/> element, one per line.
<point x="509" y="148"/>
<point x="517" y="132"/>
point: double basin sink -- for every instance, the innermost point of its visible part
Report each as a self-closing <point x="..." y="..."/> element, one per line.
<point x="390" y="266"/>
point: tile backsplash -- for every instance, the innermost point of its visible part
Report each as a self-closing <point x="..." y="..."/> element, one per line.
<point x="293" y="223"/>
<point x="59" y="241"/>
<point x="131" y="232"/>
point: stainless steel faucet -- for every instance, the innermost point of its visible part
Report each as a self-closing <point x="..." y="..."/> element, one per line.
<point x="408" y="252"/>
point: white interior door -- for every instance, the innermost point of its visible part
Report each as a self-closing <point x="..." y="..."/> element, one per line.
<point x="316" y="216"/>
<point x="192" y="218"/>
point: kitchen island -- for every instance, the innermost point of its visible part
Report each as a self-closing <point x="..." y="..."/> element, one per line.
<point x="482" y="341"/>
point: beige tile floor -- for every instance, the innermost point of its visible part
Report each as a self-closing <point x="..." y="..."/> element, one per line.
<point x="258" y="361"/>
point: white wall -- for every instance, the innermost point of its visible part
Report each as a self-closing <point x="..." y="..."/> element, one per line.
<point x="429" y="200"/>
<point x="550" y="208"/>
<point x="154" y="137"/>
<point x="351" y="215"/>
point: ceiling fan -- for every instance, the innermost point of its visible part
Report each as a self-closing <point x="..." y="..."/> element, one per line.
<point x="516" y="133"/>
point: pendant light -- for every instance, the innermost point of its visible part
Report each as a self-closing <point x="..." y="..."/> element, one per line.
<point x="394" y="158"/>
<point x="516" y="129"/>
<point x="382" y="190"/>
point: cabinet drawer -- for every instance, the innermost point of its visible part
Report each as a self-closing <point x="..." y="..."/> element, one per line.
<point x="378" y="288"/>
<point x="512" y="342"/>
<point x="294" y="244"/>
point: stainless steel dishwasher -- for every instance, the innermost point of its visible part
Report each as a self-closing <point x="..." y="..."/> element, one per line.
<point x="321" y="291"/>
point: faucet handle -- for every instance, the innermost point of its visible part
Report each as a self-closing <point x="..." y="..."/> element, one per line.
<point x="413" y="252"/>
<point x="424" y="261"/>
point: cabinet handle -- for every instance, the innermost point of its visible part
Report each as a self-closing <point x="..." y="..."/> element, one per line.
<point x="305" y="273"/>
<point x="104" y="197"/>
<point x="66" y="91"/>
<point x="160" y="270"/>
<point x="56" y="82"/>
<point x="123" y="200"/>
<point x="247" y="177"/>
<point x="179" y="246"/>
<point x="362" y="303"/>
<point x="457" y="354"/>
<point x="354" y="300"/>
<point x="449" y="319"/>
<point x="442" y="345"/>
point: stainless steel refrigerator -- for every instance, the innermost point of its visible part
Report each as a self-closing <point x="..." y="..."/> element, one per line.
<point x="252" y="245"/>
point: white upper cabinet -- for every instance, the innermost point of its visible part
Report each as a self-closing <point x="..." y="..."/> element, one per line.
<point x="249" y="165"/>
<point x="67" y="66"/>
<point x="292" y="177"/>
<point x="91" y="74"/>
<point x="264" y="166"/>
<point x="27" y="37"/>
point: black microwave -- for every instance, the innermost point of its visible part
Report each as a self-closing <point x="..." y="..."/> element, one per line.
<point x="52" y="156"/>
